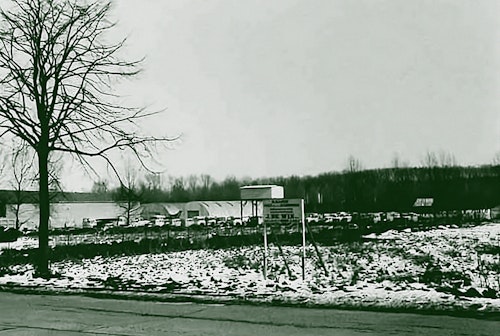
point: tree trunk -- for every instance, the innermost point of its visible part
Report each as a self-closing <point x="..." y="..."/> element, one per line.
<point x="18" y="224"/>
<point x="129" y="206"/>
<point x="44" y="201"/>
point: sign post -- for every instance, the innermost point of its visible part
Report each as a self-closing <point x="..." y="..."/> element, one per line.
<point x="282" y="212"/>
<point x="303" y="219"/>
<point x="265" y="251"/>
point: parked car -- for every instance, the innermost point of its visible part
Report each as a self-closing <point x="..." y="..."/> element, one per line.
<point x="89" y="223"/>
<point x="234" y="221"/>
<point x="313" y="218"/>
<point x="331" y="217"/>
<point x="122" y="221"/>
<point x="345" y="217"/>
<point x="222" y="222"/>
<point x="411" y="216"/>
<point x="159" y="220"/>
<point x="176" y="222"/>
<point x="391" y="216"/>
<point x="199" y="220"/>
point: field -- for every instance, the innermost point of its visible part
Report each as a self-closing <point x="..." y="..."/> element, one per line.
<point x="445" y="268"/>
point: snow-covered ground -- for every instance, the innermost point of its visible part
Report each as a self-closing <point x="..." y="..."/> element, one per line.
<point x="447" y="268"/>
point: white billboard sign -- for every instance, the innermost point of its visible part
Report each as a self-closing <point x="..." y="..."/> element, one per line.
<point x="283" y="211"/>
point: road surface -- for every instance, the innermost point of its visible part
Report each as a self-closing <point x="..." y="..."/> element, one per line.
<point x="22" y="314"/>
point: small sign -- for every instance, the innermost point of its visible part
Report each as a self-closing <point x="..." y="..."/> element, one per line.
<point x="283" y="211"/>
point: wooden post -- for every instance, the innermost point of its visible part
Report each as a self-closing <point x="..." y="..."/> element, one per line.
<point x="281" y="252"/>
<point x="311" y="236"/>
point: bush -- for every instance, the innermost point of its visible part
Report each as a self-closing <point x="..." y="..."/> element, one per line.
<point x="434" y="275"/>
<point x="488" y="249"/>
<point x="9" y="235"/>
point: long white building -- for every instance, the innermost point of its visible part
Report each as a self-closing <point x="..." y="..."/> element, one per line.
<point x="69" y="214"/>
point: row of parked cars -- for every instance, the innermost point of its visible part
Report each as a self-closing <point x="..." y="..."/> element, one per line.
<point x="222" y="221"/>
<point x="160" y="221"/>
<point x="397" y="217"/>
<point x="375" y="217"/>
<point x="334" y="217"/>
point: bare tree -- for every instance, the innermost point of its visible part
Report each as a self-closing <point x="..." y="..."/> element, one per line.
<point x="100" y="186"/>
<point x="206" y="181"/>
<point x="153" y="181"/>
<point x="56" y="81"/>
<point x="354" y="164"/>
<point x="430" y="160"/>
<point x="397" y="162"/>
<point x="178" y="191"/>
<point x="439" y="159"/>
<point x="193" y="183"/>
<point x="496" y="159"/>
<point x="447" y="159"/>
<point x="128" y="195"/>
<point x="22" y="177"/>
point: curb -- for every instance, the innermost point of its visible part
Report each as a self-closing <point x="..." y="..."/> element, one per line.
<point x="468" y="312"/>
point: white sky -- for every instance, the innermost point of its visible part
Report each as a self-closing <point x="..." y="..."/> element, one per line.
<point x="281" y="87"/>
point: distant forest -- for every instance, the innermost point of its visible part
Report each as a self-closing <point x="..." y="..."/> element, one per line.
<point x="389" y="189"/>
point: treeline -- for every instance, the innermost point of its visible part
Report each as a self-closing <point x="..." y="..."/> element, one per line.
<point x="390" y="189"/>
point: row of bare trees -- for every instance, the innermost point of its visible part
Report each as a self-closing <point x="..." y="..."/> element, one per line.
<point x="388" y="189"/>
<point x="354" y="189"/>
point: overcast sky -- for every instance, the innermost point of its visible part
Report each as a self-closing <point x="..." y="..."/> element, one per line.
<point x="282" y="87"/>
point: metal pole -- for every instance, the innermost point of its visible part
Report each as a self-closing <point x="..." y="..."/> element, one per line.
<point x="265" y="251"/>
<point x="265" y="240"/>
<point x="241" y="212"/>
<point x="303" y="239"/>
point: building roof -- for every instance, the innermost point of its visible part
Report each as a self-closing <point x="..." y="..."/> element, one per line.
<point x="263" y="186"/>
<point x="223" y="208"/>
<point x="166" y="209"/>
<point x="423" y="202"/>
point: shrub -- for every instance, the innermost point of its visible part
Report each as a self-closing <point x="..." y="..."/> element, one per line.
<point x="488" y="249"/>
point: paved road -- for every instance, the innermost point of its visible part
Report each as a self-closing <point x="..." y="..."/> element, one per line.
<point x="75" y="315"/>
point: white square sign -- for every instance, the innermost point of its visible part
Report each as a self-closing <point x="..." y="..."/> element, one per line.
<point x="283" y="211"/>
